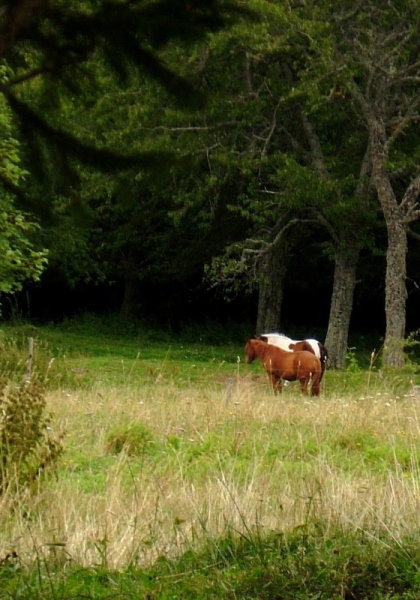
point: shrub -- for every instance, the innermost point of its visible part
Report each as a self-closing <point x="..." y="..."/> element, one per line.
<point x="29" y="450"/>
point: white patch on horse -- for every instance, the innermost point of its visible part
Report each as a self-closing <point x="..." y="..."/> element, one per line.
<point x="278" y="339"/>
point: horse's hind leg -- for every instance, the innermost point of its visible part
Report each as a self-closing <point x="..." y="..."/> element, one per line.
<point x="316" y="388"/>
<point x="276" y="383"/>
<point x="304" y="385"/>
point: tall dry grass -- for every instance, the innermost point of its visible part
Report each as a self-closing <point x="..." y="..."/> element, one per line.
<point x="226" y="456"/>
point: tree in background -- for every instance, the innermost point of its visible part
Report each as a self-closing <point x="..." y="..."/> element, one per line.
<point x="341" y="98"/>
<point x="282" y="127"/>
<point x="59" y="52"/>
<point x="54" y="42"/>
<point x="288" y="145"/>
<point x="22" y="257"/>
<point x="378" y="51"/>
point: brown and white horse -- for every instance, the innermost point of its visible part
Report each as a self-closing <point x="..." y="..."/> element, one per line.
<point x="285" y="343"/>
<point x="300" y="365"/>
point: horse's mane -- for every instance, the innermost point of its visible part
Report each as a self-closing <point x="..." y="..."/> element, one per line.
<point x="264" y="337"/>
<point x="261" y="338"/>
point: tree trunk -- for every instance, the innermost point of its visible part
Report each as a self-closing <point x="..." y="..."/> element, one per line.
<point x="346" y="257"/>
<point x="273" y="270"/>
<point x="396" y="256"/>
<point x="395" y="294"/>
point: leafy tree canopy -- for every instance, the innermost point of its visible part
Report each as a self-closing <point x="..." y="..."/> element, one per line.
<point x="21" y="260"/>
<point x="58" y="39"/>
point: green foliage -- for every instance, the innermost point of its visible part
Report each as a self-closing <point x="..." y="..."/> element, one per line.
<point x="20" y="260"/>
<point x="80" y="71"/>
<point x="11" y="171"/>
<point x="352" y="361"/>
<point x="412" y="341"/>
<point x="58" y="48"/>
<point x="29" y="449"/>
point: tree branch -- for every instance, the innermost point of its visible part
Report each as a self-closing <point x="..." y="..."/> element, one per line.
<point x="410" y="115"/>
<point x="413" y="234"/>
<point x="321" y="219"/>
<point x="409" y="202"/>
<point x="271" y="130"/>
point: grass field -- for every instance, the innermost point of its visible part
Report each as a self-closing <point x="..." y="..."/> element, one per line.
<point x="173" y="448"/>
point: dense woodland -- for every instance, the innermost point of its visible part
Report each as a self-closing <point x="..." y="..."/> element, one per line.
<point x="181" y="161"/>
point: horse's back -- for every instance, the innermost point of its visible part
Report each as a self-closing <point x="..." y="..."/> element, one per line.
<point x="285" y="343"/>
<point x="277" y="339"/>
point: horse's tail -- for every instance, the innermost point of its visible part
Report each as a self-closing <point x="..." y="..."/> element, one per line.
<point x="323" y="354"/>
<point x="316" y="384"/>
<point x="323" y="358"/>
<point x="316" y="376"/>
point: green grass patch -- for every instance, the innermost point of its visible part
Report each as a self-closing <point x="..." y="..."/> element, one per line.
<point x="80" y="353"/>
<point x="305" y="564"/>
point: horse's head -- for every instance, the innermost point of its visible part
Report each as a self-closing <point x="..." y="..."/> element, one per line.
<point x="250" y="354"/>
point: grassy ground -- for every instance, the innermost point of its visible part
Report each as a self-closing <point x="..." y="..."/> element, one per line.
<point x="184" y="477"/>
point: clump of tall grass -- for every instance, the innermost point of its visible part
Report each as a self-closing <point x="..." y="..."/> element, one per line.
<point x="134" y="439"/>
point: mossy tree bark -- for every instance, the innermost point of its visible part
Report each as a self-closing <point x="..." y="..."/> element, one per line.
<point x="336" y="341"/>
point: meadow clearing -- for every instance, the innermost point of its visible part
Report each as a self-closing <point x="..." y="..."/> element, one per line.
<point x="171" y="447"/>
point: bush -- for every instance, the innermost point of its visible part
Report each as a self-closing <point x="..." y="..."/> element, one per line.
<point x="29" y="450"/>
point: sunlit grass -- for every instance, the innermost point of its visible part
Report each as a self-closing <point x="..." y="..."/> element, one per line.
<point x="221" y="457"/>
